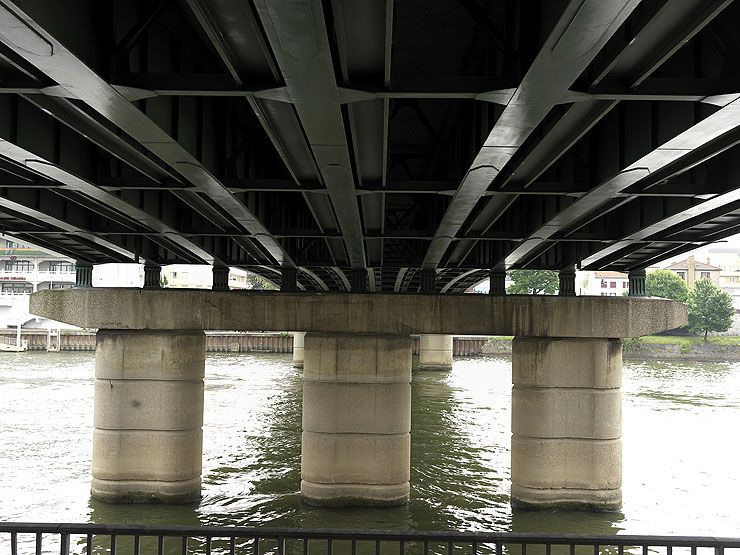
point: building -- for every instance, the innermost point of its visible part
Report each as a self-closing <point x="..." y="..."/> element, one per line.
<point x="24" y="269"/>
<point x="691" y="270"/>
<point x="192" y="276"/>
<point x="604" y="284"/>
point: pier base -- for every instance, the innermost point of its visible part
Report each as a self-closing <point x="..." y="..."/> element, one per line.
<point x="356" y="420"/>
<point x="147" y="442"/>
<point x="298" y="339"/>
<point x="435" y="352"/>
<point x="566" y="444"/>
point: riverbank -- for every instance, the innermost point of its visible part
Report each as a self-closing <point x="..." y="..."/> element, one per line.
<point x="718" y="348"/>
<point x="216" y="341"/>
<point x="655" y="347"/>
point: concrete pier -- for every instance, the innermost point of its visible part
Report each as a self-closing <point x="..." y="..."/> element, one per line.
<point x="147" y="441"/>
<point x="566" y="444"/>
<point x="356" y="420"/>
<point x="435" y="352"/>
<point x="298" y="339"/>
<point x="566" y="420"/>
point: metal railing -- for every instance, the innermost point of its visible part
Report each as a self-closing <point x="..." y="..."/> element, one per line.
<point x="68" y="539"/>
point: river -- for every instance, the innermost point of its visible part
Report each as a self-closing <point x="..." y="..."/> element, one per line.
<point x="681" y="450"/>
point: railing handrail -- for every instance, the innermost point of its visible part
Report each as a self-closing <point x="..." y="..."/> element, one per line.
<point x="371" y="535"/>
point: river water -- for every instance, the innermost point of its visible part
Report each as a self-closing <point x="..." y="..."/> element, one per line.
<point x="681" y="450"/>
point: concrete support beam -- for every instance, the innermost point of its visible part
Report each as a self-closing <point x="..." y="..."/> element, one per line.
<point x="147" y="441"/>
<point x="404" y="314"/>
<point x="356" y="443"/>
<point x="435" y="352"/>
<point x="298" y="350"/>
<point x="566" y="441"/>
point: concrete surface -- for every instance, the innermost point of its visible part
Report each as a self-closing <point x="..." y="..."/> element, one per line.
<point x="356" y="442"/>
<point x="566" y="444"/>
<point x="298" y="338"/>
<point x="535" y="316"/>
<point x="147" y="441"/>
<point x="435" y="352"/>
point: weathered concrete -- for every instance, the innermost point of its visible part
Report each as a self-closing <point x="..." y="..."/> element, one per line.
<point x="406" y="314"/>
<point x="298" y="339"/>
<point x="566" y="445"/>
<point x="435" y="352"/>
<point x="147" y="441"/>
<point x="356" y="443"/>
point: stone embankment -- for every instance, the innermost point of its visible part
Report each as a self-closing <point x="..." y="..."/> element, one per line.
<point x="635" y="349"/>
<point x="217" y="342"/>
<point x="238" y="342"/>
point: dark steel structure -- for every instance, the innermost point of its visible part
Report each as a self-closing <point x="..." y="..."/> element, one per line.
<point x="381" y="145"/>
<point x="95" y="538"/>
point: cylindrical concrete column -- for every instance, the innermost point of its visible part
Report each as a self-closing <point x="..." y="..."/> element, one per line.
<point x="147" y="442"/>
<point x="566" y="441"/>
<point x="356" y="443"/>
<point x="298" y="339"/>
<point x="435" y="352"/>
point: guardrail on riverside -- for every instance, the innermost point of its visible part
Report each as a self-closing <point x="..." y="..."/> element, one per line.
<point x="68" y="539"/>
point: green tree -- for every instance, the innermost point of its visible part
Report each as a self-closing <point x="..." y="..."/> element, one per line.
<point x="666" y="284"/>
<point x="255" y="281"/>
<point x="710" y="308"/>
<point x="533" y="282"/>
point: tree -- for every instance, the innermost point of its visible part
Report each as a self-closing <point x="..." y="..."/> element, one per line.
<point x="533" y="282"/>
<point x="255" y="281"/>
<point x="666" y="284"/>
<point x="710" y="308"/>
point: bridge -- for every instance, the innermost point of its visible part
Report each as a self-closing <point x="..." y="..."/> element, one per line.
<point x="367" y="156"/>
<point x="358" y="145"/>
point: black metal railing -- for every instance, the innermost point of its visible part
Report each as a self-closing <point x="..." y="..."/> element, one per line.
<point x="69" y="539"/>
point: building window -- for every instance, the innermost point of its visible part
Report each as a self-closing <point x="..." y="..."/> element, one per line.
<point x="682" y="275"/>
<point x="61" y="267"/>
<point x="603" y="284"/>
<point x="612" y="285"/>
<point x="17" y="288"/>
<point x="705" y="275"/>
<point x="61" y="286"/>
<point x="18" y="266"/>
<point x="624" y="285"/>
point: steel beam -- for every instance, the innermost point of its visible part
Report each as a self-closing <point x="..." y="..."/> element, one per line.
<point x="306" y="64"/>
<point x="71" y="182"/>
<point x="29" y="41"/>
<point x="582" y="30"/>
<point x="669" y="29"/>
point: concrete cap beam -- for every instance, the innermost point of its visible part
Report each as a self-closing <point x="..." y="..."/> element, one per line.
<point x="533" y="316"/>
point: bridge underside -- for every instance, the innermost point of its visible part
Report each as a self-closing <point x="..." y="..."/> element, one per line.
<point x="392" y="145"/>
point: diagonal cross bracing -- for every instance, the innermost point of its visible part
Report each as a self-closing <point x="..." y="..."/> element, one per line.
<point x="31" y="42"/>
<point x="79" y="185"/>
<point x="582" y="30"/>
<point x="297" y="33"/>
<point x="675" y="153"/>
<point x="670" y="28"/>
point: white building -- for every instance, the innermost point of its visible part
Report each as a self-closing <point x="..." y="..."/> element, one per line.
<point x="604" y="284"/>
